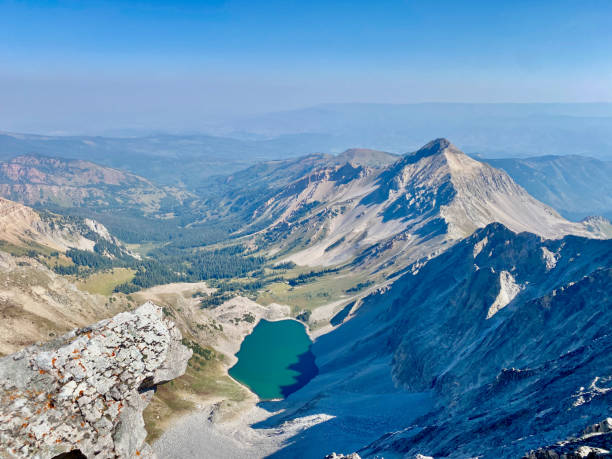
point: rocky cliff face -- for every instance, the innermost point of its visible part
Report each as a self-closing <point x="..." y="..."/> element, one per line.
<point x="86" y="391"/>
<point x="505" y="337"/>
<point x="511" y="334"/>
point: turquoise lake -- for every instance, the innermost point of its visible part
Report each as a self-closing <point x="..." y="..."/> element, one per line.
<point x="275" y="359"/>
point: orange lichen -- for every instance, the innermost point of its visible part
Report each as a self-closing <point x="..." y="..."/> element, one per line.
<point x="42" y="372"/>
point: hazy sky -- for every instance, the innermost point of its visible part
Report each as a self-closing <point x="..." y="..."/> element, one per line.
<point x="91" y="66"/>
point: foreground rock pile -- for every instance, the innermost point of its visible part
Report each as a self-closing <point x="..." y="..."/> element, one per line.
<point x="86" y="391"/>
<point x="594" y="443"/>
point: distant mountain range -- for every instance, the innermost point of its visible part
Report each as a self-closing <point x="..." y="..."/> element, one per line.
<point x="167" y="159"/>
<point x="489" y="130"/>
<point x="493" y="130"/>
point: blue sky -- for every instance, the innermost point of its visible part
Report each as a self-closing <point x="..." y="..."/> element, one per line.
<point x="65" y="65"/>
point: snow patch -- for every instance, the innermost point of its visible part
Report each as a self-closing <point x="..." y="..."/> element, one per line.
<point x="479" y="246"/>
<point x="596" y="389"/>
<point x="549" y="258"/>
<point x="507" y="291"/>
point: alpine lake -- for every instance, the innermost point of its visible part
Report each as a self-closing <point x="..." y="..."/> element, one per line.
<point x="275" y="359"/>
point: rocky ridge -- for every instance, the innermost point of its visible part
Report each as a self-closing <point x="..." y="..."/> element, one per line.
<point x="403" y="211"/>
<point x="595" y="442"/>
<point x="86" y="391"/>
<point x="502" y="385"/>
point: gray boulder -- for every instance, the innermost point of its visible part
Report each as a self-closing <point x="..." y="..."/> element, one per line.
<point x="86" y="391"/>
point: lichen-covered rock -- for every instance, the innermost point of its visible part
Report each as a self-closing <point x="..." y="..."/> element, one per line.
<point x="87" y="390"/>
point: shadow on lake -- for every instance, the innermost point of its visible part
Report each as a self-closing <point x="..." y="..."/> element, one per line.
<point x="306" y="368"/>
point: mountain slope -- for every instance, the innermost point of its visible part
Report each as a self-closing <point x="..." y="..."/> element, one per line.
<point x="480" y="344"/>
<point x="497" y="346"/>
<point x="577" y="186"/>
<point x="37" y="304"/>
<point x="246" y="193"/>
<point x="22" y="226"/>
<point x="35" y="179"/>
<point x="273" y="175"/>
<point x="400" y="212"/>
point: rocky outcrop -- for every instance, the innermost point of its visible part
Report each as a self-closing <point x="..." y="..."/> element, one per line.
<point x="594" y="443"/>
<point x="343" y="456"/>
<point x="86" y="391"/>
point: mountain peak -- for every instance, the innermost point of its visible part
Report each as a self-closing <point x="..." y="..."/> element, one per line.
<point x="440" y="144"/>
<point x="435" y="147"/>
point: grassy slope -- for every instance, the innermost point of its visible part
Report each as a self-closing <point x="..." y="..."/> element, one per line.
<point x="103" y="282"/>
<point x="204" y="380"/>
<point x="320" y="291"/>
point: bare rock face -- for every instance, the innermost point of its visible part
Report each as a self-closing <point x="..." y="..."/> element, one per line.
<point x="87" y="390"/>
<point x="594" y="443"/>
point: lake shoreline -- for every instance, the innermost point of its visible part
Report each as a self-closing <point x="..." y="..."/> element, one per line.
<point x="187" y="436"/>
<point x="275" y="359"/>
